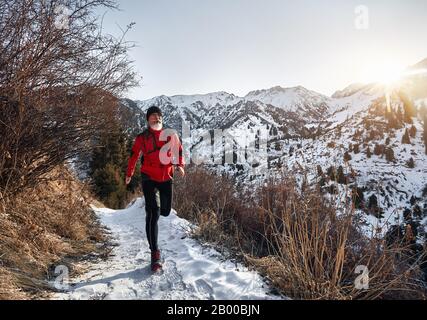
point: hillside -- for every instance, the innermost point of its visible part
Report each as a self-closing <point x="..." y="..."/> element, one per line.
<point x="308" y="132"/>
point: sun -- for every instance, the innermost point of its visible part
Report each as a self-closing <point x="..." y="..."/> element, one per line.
<point x="387" y="74"/>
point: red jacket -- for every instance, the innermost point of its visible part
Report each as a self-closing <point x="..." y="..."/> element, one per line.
<point x="157" y="164"/>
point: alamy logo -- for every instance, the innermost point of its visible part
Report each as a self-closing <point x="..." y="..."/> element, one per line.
<point x="61" y="282"/>
<point x="362" y="281"/>
<point x="361" y="21"/>
<point x="62" y="17"/>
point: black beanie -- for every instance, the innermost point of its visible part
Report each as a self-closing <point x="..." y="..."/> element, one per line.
<point x="152" y="110"/>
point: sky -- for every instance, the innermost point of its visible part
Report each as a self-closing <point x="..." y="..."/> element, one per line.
<point x="202" y="46"/>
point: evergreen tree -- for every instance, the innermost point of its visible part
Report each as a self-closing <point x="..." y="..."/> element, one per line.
<point x="413" y="131"/>
<point x="341" y="178"/>
<point x="368" y="153"/>
<point x="405" y="137"/>
<point x="358" y="197"/>
<point x="108" y="167"/>
<point x="373" y="206"/>
<point x="411" y="163"/>
<point x="399" y="115"/>
<point x="378" y="149"/>
<point x="356" y="148"/>
<point x="391" y="120"/>
<point x="408" y="107"/>
<point x="319" y="171"/>
<point x="389" y="154"/>
<point x="110" y="186"/>
<point x="331" y="172"/>
<point x="347" y="156"/>
<point x="387" y="141"/>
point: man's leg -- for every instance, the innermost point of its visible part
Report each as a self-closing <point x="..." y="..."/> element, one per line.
<point x="152" y="213"/>
<point x="166" y="191"/>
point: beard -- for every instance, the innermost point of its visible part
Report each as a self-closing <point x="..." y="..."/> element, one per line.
<point x="157" y="126"/>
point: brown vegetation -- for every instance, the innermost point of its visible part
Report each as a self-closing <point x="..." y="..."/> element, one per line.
<point x="48" y="225"/>
<point x="292" y="234"/>
<point x="60" y="77"/>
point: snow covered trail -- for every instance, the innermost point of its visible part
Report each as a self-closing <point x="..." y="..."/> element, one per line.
<point x="191" y="271"/>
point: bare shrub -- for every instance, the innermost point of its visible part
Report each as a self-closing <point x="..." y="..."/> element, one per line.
<point x="42" y="227"/>
<point x="58" y="85"/>
<point x="293" y="235"/>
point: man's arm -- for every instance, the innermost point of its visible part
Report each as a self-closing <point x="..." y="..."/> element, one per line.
<point x="135" y="154"/>
<point x="177" y="146"/>
<point x="181" y="160"/>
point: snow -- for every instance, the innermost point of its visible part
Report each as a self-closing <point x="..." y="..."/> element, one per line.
<point x="191" y="270"/>
<point x="346" y="107"/>
<point x="209" y="100"/>
<point x="357" y="108"/>
<point x="287" y="98"/>
<point x="397" y="180"/>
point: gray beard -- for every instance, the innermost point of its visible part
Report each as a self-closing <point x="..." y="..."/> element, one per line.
<point x="157" y="126"/>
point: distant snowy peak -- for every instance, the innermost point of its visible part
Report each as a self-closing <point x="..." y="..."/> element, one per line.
<point x="357" y="88"/>
<point x="420" y="65"/>
<point x="209" y="100"/>
<point x="349" y="90"/>
<point x="290" y="99"/>
<point x="302" y="106"/>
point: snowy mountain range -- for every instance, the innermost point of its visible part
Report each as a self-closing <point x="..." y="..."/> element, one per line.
<point x="312" y="134"/>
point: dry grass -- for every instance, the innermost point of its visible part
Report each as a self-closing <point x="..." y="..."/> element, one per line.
<point x="296" y="239"/>
<point x="48" y="225"/>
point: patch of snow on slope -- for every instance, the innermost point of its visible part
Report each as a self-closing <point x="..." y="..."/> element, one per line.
<point x="287" y="98"/>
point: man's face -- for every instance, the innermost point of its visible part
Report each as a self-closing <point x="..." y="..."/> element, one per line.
<point x="154" y="120"/>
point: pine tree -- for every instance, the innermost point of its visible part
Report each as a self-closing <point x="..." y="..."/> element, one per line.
<point x="347" y="156"/>
<point x="387" y="141"/>
<point x="372" y="201"/>
<point x="405" y="137"/>
<point x="368" y="153"/>
<point x="319" y="171"/>
<point x="341" y="178"/>
<point x="110" y="186"/>
<point x="411" y="163"/>
<point x="413" y="131"/>
<point x="389" y="154"/>
<point x="358" y="197"/>
<point x="391" y="120"/>
<point x="108" y="166"/>
<point x="378" y="149"/>
<point x="373" y="206"/>
<point x="331" y="173"/>
<point x="399" y="115"/>
<point x="408" y="107"/>
<point x="356" y="148"/>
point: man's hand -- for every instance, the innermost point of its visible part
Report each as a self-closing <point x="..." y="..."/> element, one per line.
<point x="181" y="171"/>
<point x="128" y="179"/>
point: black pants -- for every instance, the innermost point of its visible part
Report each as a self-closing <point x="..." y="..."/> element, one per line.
<point x="158" y="201"/>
